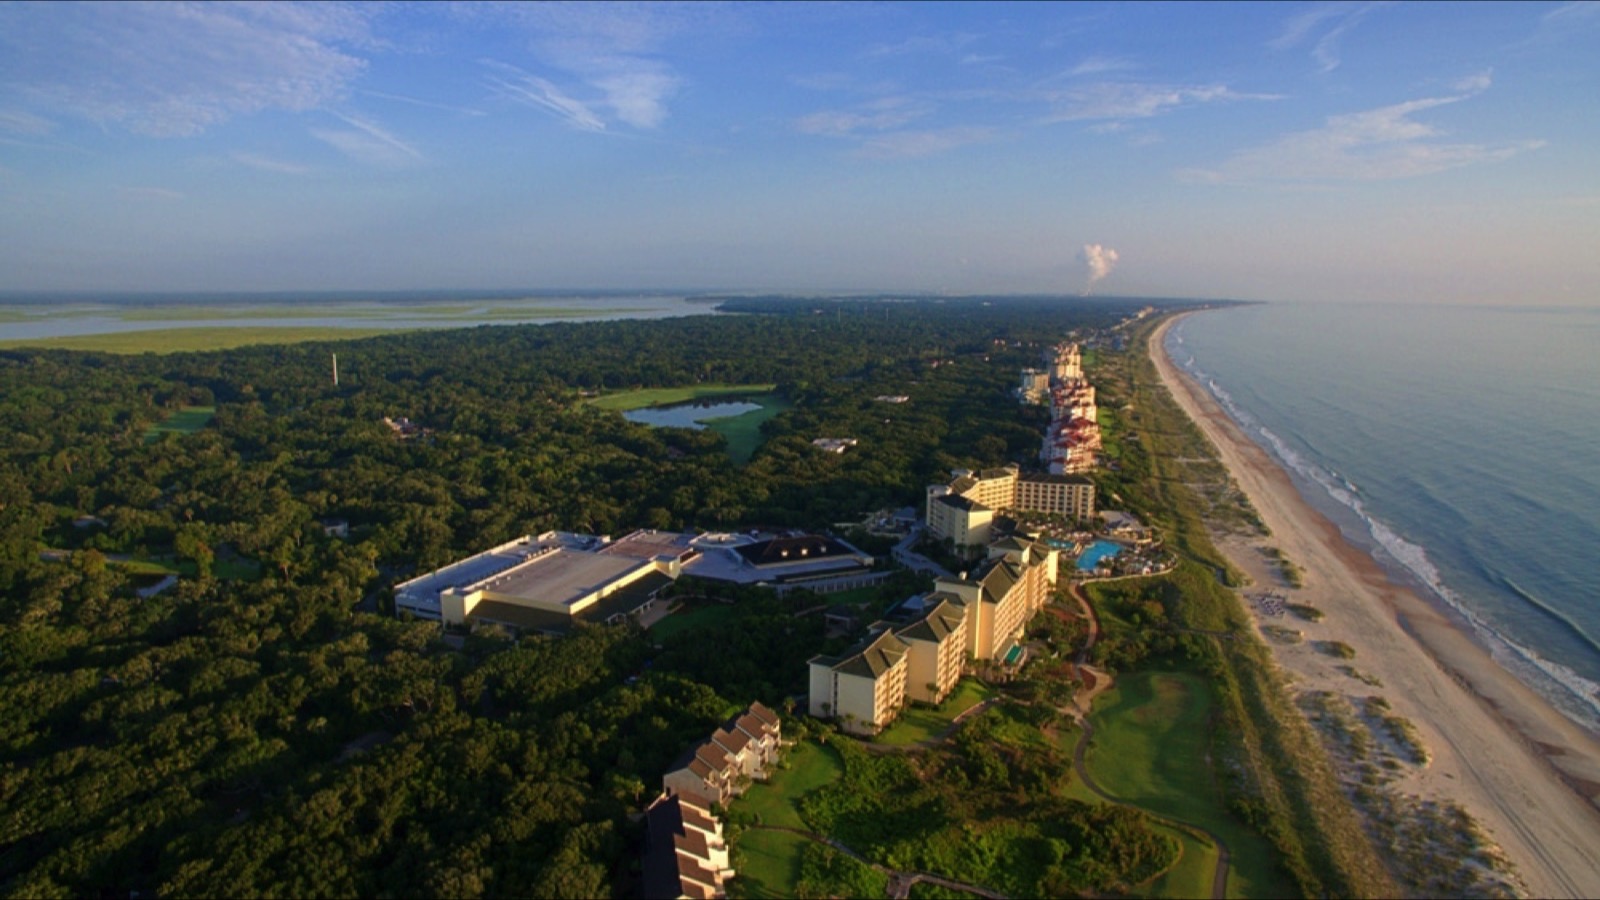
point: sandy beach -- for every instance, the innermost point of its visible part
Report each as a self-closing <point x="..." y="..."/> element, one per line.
<point x="1529" y="775"/>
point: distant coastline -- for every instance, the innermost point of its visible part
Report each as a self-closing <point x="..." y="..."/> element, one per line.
<point x="1515" y="762"/>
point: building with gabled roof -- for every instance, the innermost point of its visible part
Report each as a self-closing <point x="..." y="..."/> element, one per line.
<point x="866" y="687"/>
<point x="937" y="651"/>
<point x="718" y="768"/>
<point x="1002" y="594"/>
<point x="685" y="855"/>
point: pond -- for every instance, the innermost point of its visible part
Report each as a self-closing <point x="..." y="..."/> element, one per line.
<point x="690" y="415"/>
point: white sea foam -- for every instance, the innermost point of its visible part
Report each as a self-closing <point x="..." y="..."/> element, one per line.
<point x="1414" y="559"/>
<point x="1576" y="695"/>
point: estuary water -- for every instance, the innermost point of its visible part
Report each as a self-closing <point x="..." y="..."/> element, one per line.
<point x="38" y="317"/>
<point x="1460" y="446"/>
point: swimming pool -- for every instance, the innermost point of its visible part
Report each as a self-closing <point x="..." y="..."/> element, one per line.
<point x="1092" y="554"/>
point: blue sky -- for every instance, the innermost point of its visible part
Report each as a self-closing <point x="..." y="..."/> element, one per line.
<point x="1416" y="152"/>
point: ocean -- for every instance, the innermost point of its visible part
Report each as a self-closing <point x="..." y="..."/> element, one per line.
<point x="1458" y="445"/>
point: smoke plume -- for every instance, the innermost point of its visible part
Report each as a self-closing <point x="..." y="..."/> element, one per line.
<point x="1100" y="260"/>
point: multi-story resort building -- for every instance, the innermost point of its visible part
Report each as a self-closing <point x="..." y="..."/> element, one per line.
<point x="685" y="855"/>
<point x="866" y="687"/>
<point x="720" y="767"/>
<point x="980" y="614"/>
<point x="964" y="510"/>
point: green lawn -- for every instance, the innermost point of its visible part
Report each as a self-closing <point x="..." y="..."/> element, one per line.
<point x="692" y="617"/>
<point x="187" y="420"/>
<point x="770" y="860"/>
<point x="1149" y="749"/>
<point x="921" y="723"/>
<point x="667" y="396"/>
<point x="178" y="340"/>
<point x="744" y="431"/>
<point x="768" y="864"/>
<point x="811" y="766"/>
<point x="1191" y="875"/>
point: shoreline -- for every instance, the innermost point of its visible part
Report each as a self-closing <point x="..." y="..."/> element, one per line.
<point x="1527" y="773"/>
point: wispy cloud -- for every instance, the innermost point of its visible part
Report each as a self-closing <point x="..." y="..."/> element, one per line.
<point x="1377" y="145"/>
<point x="879" y="115"/>
<point x="366" y="142"/>
<point x="170" y="69"/>
<point x="609" y="54"/>
<point x="515" y="84"/>
<point x="426" y="104"/>
<point x="1100" y="65"/>
<point x="1324" y="28"/>
<point x="151" y="193"/>
<point x="913" y="144"/>
<point x="25" y="123"/>
<point x="1129" y="100"/>
<point x="943" y="44"/>
<point x="268" y="164"/>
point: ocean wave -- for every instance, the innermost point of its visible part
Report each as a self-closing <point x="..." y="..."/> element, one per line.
<point x="1564" y="686"/>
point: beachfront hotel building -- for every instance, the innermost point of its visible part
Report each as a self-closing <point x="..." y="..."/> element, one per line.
<point x="980" y="614"/>
<point x="964" y="510"/>
<point x="866" y="687"/>
<point x="685" y="853"/>
<point x="1001" y="595"/>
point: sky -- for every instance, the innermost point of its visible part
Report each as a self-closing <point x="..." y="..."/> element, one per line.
<point x="1389" y="152"/>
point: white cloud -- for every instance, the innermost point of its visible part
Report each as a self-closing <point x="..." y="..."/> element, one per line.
<point x="1128" y="100"/>
<point x="637" y="91"/>
<point x="1475" y="84"/>
<point x="172" y="69"/>
<point x="1376" y="145"/>
<point x="365" y="142"/>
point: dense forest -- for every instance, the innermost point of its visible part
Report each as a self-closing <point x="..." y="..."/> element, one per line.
<point x="264" y="727"/>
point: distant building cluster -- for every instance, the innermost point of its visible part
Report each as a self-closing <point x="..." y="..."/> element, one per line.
<point x="979" y="614"/>
<point x="1072" y="442"/>
<point x="405" y="429"/>
<point x="964" y="510"/>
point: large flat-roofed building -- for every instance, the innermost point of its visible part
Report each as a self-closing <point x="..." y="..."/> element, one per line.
<point x="548" y="582"/>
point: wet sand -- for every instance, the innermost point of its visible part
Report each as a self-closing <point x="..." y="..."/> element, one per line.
<point x="1528" y="774"/>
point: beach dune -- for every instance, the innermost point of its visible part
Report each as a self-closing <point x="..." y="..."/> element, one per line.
<point x="1529" y="775"/>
